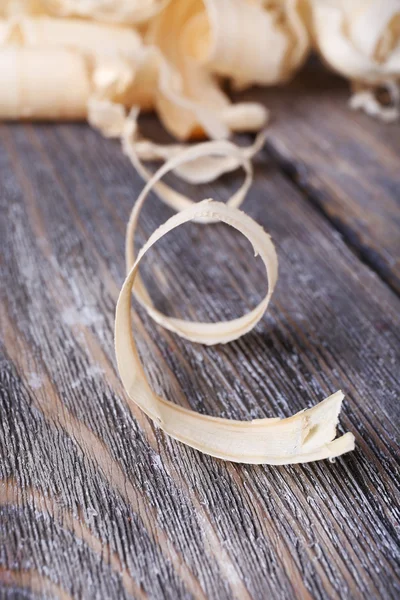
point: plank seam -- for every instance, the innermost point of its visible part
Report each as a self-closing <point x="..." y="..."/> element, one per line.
<point x="291" y="171"/>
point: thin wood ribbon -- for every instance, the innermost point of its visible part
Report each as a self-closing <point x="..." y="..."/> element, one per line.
<point x="308" y="435"/>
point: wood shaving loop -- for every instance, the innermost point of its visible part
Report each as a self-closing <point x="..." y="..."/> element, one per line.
<point x="209" y="161"/>
<point x="308" y="435"/>
<point x="207" y="151"/>
<point x="305" y="437"/>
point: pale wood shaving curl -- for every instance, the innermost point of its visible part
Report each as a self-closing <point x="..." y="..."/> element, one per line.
<point x="361" y="40"/>
<point x="307" y="436"/>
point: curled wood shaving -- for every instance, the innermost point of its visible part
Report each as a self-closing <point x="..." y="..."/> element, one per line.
<point x="115" y="11"/>
<point x="361" y="40"/>
<point x="248" y="42"/>
<point x="307" y="436"/>
<point x="203" y="168"/>
<point x="46" y="64"/>
<point x="201" y="40"/>
<point x="367" y="101"/>
<point x="10" y="8"/>
<point x="132" y="12"/>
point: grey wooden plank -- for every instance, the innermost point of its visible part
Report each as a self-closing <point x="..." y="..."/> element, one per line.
<point x="184" y="525"/>
<point x="346" y="162"/>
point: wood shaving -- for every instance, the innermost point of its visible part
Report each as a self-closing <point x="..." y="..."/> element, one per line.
<point x="366" y="100"/>
<point x="307" y="436"/>
<point x="361" y="40"/>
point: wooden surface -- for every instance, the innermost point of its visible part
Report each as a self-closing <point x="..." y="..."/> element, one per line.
<point x="96" y="502"/>
<point x="346" y="163"/>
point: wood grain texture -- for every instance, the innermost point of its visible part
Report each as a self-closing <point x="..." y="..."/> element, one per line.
<point x="347" y="163"/>
<point x="95" y="501"/>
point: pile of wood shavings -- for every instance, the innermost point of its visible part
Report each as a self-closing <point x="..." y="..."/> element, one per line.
<point x="72" y="59"/>
<point x="107" y="60"/>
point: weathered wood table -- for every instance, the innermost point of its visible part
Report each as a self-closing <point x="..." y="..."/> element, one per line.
<point x="95" y="501"/>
